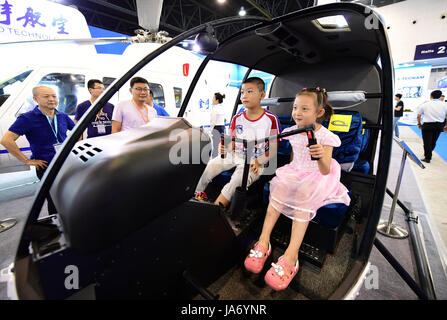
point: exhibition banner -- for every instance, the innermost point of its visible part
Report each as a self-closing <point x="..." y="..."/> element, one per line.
<point x="23" y="20"/>
<point x="431" y="51"/>
<point x="412" y="83"/>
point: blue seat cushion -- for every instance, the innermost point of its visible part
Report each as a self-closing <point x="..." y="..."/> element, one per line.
<point x="361" y="166"/>
<point x="330" y="215"/>
<point x="284" y="147"/>
<point x="351" y="142"/>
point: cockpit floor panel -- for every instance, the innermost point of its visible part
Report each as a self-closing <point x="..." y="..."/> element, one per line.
<point x="238" y="284"/>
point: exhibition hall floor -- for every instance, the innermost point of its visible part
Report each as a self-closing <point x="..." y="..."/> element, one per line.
<point x="433" y="179"/>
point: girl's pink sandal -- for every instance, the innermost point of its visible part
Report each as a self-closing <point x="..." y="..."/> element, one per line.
<point x="257" y="257"/>
<point x="281" y="274"/>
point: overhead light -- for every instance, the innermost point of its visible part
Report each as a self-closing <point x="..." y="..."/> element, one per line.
<point x="221" y="1"/>
<point x="196" y="48"/>
<point x="323" y="2"/>
<point x="242" y="12"/>
<point x="333" y="22"/>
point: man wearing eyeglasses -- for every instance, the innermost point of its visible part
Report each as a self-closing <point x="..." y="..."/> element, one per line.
<point x="135" y="112"/>
<point x="102" y="124"/>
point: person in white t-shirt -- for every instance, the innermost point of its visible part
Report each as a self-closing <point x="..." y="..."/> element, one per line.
<point x="217" y="121"/>
<point x="433" y="113"/>
<point x="136" y="112"/>
<point x="254" y="123"/>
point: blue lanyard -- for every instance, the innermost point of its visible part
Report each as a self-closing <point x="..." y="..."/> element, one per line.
<point x="51" y="126"/>
<point x="55" y="126"/>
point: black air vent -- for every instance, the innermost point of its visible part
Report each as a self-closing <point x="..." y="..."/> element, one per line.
<point x="86" y="152"/>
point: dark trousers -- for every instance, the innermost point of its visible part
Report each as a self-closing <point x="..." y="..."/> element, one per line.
<point x="51" y="207"/>
<point x="216" y="139"/>
<point x="430" y="134"/>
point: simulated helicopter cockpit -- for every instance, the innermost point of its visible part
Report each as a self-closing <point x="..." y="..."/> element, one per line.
<point x="127" y="219"/>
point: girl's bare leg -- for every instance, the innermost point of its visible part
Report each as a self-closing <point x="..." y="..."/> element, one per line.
<point x="298" y="232"/>
<point x="271" y="217"/>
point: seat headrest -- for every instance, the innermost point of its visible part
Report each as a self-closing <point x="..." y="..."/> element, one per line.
<point x="333" y="96"/>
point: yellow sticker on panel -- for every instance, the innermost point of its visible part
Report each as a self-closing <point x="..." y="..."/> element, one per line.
<point x="340" y="122"/>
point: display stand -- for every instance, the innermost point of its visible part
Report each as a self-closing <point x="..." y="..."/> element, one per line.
<point x="426" y="290"/>
<point x="387" y="228"/>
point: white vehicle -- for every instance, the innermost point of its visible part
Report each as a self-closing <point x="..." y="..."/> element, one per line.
<point x="166" y="77"/>
<point x="67" y="67"/>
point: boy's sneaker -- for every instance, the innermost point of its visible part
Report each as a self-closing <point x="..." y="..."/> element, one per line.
<point x="201" y="196"/>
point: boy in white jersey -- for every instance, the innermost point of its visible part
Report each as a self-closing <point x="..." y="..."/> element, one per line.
<point x="253" y="123"/>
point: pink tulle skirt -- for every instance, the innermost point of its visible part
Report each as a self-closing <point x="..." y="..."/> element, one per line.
<point x="299" y="194"/>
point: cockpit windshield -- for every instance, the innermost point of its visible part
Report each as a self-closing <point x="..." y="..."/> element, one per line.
<point x="8" y="87"/>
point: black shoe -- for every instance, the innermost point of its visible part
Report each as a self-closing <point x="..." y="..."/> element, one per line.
<point x="426" y="160"/>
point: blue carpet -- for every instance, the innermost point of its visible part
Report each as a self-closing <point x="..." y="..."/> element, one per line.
<point x="441" y="144"/>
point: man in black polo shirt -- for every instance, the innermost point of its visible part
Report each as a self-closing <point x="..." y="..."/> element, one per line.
<point x="398" y="113"/>
<point x="102" y="124"/>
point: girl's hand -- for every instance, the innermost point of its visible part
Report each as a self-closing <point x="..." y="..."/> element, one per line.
<point x="254" y="166"/>
<point x="316" y="151"/>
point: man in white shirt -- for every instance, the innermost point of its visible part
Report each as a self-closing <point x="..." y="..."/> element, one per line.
<point x="133" y="113"/>
<point x="434" y="113"/>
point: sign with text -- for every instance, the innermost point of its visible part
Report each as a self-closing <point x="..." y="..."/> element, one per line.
<point x="23" y="20"/>
<point x="431" y="51"/>
<point x="412" y="83"/>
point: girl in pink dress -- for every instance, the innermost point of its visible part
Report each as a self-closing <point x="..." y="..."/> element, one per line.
<point x="300" y="187"/>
